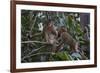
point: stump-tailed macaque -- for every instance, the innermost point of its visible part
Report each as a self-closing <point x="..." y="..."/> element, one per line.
<point x="50" y="35"/>
<point x="68" y="39"/>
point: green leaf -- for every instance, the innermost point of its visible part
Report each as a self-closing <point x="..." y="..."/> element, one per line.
<point x="63" y="56"/>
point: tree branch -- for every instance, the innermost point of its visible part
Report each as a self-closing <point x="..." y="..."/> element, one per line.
<point x="32" y="22"/>
<point x="34" y="42"/>
<point x="34" y="50"/>
<point x="28" y="56"/>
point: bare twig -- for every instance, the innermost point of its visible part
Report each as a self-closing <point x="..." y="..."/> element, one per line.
<point x="34" y="42"/>
<point x="43" y="53"/>
<point x="34" y="50"/>
<point x="37" y="34"/>
<point x="32" y="22"/>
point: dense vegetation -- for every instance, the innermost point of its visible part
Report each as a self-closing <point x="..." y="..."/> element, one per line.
<point x="34" y="48"/>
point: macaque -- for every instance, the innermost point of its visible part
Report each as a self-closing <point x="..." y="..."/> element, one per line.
<point x="50" y="35"/>
<point x="68" y="39"/>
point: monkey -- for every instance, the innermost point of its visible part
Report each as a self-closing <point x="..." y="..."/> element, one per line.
<point x="50" y="34"/>
<point x="68" y="39"/>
